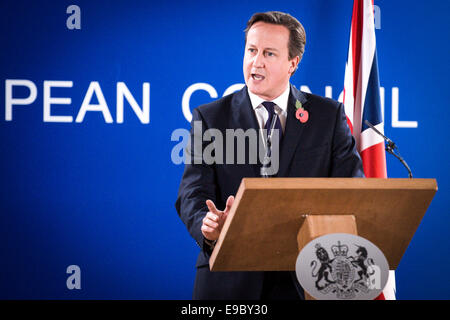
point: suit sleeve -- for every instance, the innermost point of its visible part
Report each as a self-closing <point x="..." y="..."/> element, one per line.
<point x="346" y="161"/>
<point x="198" y="184"/>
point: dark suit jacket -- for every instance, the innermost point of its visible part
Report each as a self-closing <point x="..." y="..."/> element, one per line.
<point x="321" y="147"/>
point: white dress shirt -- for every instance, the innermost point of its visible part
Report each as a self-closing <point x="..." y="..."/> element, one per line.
<point x="262" y="115"/>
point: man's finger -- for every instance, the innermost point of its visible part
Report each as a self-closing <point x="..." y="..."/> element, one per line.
<point x="230" y="201"/>
<point x="212" y="207"/>
<point x="209" y="233"/>
<point x="212" y="216"/>
<point x="210" y="223"/>
<point x="207" y="229"/>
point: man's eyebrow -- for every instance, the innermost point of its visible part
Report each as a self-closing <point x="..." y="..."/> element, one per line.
<point x="271" y="49"/>
<point x="267" y="49"/>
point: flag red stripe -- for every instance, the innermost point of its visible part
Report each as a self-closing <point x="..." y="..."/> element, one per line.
<point x="374" y="161"/>
<point x="380" y="297"/>
<point x="357" y="32"/>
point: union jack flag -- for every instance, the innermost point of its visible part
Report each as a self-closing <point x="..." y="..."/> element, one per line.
<point x="362" y="100"/>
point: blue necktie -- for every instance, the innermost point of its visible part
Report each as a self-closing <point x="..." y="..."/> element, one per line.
<point x="268" y="126"/>
<point x="270" y="107"/>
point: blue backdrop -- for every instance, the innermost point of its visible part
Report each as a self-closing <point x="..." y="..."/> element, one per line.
<point x="101" y="195"/>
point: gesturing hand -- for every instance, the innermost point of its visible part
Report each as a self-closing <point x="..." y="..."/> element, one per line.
<point x="214" y="219"/>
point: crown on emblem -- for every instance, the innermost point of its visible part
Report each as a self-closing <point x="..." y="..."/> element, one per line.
<point x="339" y="250"/>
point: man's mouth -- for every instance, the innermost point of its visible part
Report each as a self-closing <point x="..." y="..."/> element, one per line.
<point x="257" y="77"/>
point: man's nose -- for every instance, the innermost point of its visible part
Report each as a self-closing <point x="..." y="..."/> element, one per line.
<point x="258" y="61"/>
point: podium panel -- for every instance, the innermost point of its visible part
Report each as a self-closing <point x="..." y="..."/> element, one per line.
<point x="260" y="233"/>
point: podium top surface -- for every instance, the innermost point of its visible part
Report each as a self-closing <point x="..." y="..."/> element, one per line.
<point x="260" y="233"/>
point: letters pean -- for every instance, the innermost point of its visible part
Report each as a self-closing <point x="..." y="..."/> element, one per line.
<point x="94" y="90"/>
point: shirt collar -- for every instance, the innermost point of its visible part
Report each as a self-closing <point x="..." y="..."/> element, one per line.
<point x="281" y="101"/>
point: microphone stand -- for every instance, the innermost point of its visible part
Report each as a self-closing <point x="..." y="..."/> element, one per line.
<point x="391" y="147"/>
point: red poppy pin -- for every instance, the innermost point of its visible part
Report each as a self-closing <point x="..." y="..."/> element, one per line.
<point x="301" y="114"/>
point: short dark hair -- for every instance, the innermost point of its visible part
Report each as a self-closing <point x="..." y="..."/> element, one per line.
<point x="297" y="35"/>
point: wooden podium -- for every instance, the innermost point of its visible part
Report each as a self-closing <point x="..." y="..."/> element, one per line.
<point x="272" y="219"/>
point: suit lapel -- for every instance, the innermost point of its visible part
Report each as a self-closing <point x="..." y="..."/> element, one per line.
<point x="244" y="117"/>
<point x="242" y="111"/>
<point x="292" y="132"/>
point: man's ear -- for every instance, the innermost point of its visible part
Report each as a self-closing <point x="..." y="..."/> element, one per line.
<point x="294" y="64"/>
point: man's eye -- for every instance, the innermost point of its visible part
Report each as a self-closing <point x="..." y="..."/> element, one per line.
<point x="270" y="54"/>
<point x="251" y="50"/>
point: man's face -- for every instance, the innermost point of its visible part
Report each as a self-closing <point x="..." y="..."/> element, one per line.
<point x="267" y="67"/>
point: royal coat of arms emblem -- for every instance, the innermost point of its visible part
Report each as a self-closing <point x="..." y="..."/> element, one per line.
<point x="342" y="268"/>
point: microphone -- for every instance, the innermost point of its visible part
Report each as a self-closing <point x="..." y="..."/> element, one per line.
<point x="391" y="147"/>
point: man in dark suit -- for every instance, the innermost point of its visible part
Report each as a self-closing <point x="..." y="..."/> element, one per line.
<point x="314" y="142"/>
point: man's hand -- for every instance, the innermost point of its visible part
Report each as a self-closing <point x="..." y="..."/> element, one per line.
<point x="214" y="219"/>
